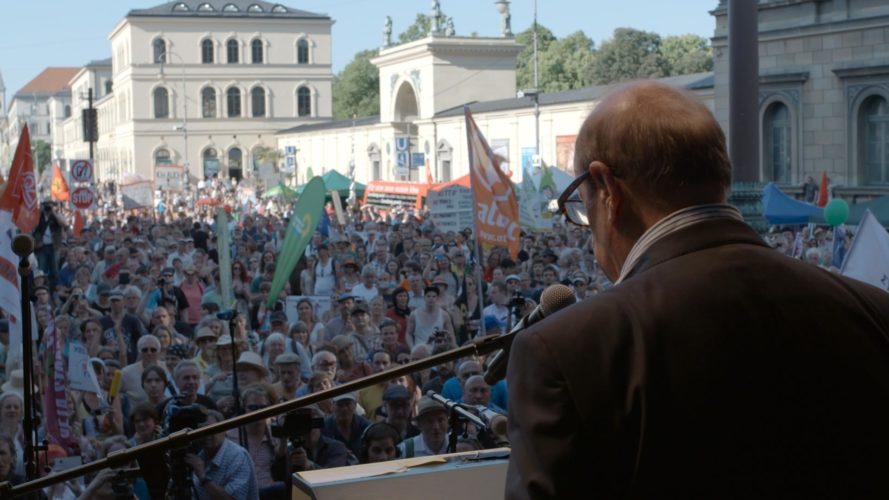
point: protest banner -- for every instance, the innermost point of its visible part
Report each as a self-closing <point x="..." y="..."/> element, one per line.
<point x="79" y="368"/>
<point x="450" y="208"/>
<point x="137" y="195"/>
<point x="168" y="177"/>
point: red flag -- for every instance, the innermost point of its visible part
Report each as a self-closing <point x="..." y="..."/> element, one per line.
<point x="822" y="192"/>
<point x="497" y="215"/>
<point x="59" y="189"/>
<point x="20" y="195"/>
<point x="78" y="223"/>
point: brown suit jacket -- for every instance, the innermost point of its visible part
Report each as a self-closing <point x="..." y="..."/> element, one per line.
<point x="719" y="368"/>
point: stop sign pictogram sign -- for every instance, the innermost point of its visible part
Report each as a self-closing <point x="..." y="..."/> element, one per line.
<point x="82" y="198"/>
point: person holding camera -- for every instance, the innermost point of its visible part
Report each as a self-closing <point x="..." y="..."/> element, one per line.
<point x="48" y="237"/>
<point x="312" y="451"/>
<point x="222" y="469"/>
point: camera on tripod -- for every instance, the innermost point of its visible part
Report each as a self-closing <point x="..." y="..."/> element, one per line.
<point x="517" y="301"/>
<point x="178" y="417"/>
<point x="296" y="427"/>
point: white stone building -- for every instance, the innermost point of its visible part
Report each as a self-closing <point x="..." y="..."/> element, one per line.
<point x="205" y="84"/>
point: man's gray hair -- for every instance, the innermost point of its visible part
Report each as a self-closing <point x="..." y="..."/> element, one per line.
<point x="147" y="339"/>
<point x="320" y="354"/>
<point x="186" y="363"/>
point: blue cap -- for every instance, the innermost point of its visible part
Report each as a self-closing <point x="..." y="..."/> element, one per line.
<point x="491" y="322"/>
<point x="345" y="296"/>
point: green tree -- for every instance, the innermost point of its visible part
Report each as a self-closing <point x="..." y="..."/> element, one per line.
<point x="356" y="89"/>
<point x="42" y="155"/>
<point x="686" y="54"/>
<point x="267" y="154"/>
<point x="566" y="63"/>
<point x="629" y="54"/>
<point x="525" y="60"/>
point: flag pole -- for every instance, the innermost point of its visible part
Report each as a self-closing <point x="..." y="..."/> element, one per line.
<point x="23" y="245"/>
<point x="479" y="275"/>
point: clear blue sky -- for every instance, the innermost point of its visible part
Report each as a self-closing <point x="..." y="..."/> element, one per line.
<point x="40" y="33"/>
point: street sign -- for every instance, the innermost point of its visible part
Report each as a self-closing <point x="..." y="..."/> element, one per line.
<point x="83" y="198"/>
<point x="82" y="170"/>
<point x="417" y="160"/>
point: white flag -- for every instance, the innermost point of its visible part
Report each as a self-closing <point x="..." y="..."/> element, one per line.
<point x="868" y="258"/>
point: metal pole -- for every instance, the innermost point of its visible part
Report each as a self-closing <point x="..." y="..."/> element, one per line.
<point x="743" y="89"/>
<point x="90" y="115"/>
<point x="185" y="124"/>
<point x="23" y="246"/>
<point x="536" y="88"/>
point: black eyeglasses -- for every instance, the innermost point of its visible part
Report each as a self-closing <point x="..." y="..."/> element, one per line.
<point x="149" y="349"/>
<point x="570" y="204"/>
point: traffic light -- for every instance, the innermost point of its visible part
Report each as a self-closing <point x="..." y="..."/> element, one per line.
<point x="90" y="125"/>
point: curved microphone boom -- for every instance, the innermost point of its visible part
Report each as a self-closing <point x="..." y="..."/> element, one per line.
<point x="552" y="299"/>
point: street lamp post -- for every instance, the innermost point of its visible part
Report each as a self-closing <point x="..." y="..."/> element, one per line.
<point x="535" y="92"/>
<point x="184" y="126"/>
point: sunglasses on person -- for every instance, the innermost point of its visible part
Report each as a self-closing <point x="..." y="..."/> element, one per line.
<point x="149" y="349"/>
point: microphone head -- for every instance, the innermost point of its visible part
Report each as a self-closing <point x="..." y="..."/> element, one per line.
<point x="556" y="297"/>
<point x="23" y="245"/>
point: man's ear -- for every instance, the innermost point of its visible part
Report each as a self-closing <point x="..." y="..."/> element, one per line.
<point x="608" y="191"/>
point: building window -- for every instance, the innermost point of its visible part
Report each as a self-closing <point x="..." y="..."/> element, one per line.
<point x="160" y="50"/>
<point x="254" y="8"/>
<point x="777" y="143"/>
<point x="302" y="51"/>
<point x="235" y="163"/>
<point x="874" y="141"/>
<point x="256" y="51"/>
<point x="211" y="163"/>
<point x="161" y="103"/>
<point x="109" y="86"/>
<point x="278" y="8"/>
<point x="233" y="101"/>
<point x="162" y="157"/>
<point x="231" y="50"/>
<point x="230" y="7"/>
<point x="180" y="7"/>
<point x="257" y="101"/>
<point x="208" y="102"/>
<point x="207" y="52"/>
<point x="303" y="102"/>
<point x="67" y="111"/>
<point x="205" y="7"/>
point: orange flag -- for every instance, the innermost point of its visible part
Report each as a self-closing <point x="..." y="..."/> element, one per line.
<point x="822" y="192"/>
<point x="78" y="223"/>
<point x="497" y="217"/>
<point x="59" y="189"/>
<point x="429" y="181"/>
<point x="20" y="195"/>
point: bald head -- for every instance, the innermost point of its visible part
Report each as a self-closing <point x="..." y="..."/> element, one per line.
<point x="661" y="141"/>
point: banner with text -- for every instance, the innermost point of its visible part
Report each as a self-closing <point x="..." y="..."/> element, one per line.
<point x="497" y="216"/>
<point x="137" y="195"/>
<point x="450" y="208"/>
<point x="168" y="177"/>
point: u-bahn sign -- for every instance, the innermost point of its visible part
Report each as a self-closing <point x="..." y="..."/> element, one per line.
<point x="81" y="171"/>
<point x="83" y="198"/>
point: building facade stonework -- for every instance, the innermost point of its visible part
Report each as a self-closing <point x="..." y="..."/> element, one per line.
<point x="823" y="91"/>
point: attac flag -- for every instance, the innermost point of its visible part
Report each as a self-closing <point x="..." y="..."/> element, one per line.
<point x="497" y="217"/>
<point x="303" y="222"/>
<point x="868" y="257"/>
<point x="59" y="189"/>
<point x="55" y="401"/>
<point x="20" y="194"/>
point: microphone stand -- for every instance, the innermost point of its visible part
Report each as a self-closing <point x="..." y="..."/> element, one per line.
<point x="23" y="246"/>
<point x="456" y="413"/>
<point x="242" y="437"/>
<point x="478" y="347"/>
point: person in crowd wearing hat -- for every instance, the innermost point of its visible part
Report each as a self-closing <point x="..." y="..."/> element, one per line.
<point x="350" y="277"/>
<point x="218" y="376"/>
<point x="122" y="327"/>
<point x="423" y="322"/>
<point x="367" y="289"/>
<point x="205" y="341"/>
<point x="398" y="410"/>
<point x="350" y="367"/>
<point x="222" y="469"/>
<point x="103" y="298"/>
<point x="579" y="285"/>
<point x="339" y="325"/>
<point x="344" y="425"/>
<point x="131" y="375"/>
<point x="432" y="420"/>
<point x="289" y="375"/>
<point x="250" y="370"/>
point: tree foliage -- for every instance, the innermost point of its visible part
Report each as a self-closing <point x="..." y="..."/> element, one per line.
<point x="686" y="54"/>
<point x="356" y="89"/>
<point x="525" y="60"/>
<point x="267" y="154"/>
<point x="630" y="54"/>
<point x="42" y="155"/>
<point x="565" y="63"/>
<point x="420" y="28"/>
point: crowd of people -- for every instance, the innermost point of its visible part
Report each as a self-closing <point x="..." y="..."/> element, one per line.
<point x="141" y="292"/>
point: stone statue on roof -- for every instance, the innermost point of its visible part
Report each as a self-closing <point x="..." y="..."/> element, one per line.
<point x="387" y="32"/>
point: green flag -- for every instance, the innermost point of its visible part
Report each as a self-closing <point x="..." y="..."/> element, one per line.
<point x="223" y="247"/>
<point x="303" y="222"/>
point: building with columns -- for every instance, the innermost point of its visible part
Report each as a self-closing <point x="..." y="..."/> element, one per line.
<point x="204" y="84"/>
<point x="823" y="92"/>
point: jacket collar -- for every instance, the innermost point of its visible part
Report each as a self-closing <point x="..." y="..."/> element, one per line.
<point x="701" y="236"/>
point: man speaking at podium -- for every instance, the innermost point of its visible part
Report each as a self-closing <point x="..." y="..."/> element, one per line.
<point x="715" y="367"/>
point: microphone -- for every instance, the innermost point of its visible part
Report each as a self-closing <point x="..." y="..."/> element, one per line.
<point x="552" y="299"/>
<point x="497" y="422"/>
